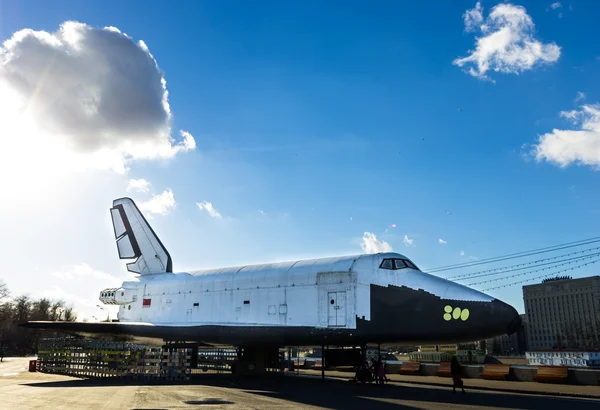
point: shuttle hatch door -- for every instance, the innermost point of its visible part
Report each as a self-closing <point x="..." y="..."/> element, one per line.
<point x="331" y="303"/>
<point x="336" y="309"/>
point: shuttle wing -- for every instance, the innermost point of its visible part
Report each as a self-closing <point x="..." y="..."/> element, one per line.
<point x="98" y="328"/>
<point x="136" y="240"/>
<point x="136" y="332"/>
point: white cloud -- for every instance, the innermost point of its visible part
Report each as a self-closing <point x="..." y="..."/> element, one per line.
<point x="208" y="207"/>
<point x="564" y="147"/>
<point x="570" y="115"/>
<point x="85" y="305"/>
<point x="58" y="293"/>
<point x="473" y="17"/>
<point x="407" y="241"/>
<point x="160" y="204"/>
<point x="580" y="96"/>
<point x="88" y="91"/>
<point x="84" y="271"/>
<point x="507" y="43"/>
<point x="462" y="253"/>
<point x="140" y="185"/>
<point x="79" y="285"/>
<point x="189" y="143"/>
<point x="555" y="5"/>
<point x="441" y="241"/>
<point x="370" y="244"/>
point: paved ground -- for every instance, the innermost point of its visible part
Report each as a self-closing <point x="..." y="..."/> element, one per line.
<point x="40" y="391"/>
<point x="11" y="366"/>
<point x="509" y="386"/>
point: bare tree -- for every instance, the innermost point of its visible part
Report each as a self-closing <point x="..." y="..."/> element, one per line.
<point x="56" y="310"/>
<point x="16" y="340"/>
<point x="582" y="337"/>
<point x="3" y="290"/>
<point x="69" y="314"/>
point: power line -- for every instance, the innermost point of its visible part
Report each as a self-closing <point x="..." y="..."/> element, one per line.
<point x="539" y="277"/>
<point x="522" y="266"/>
<point x="534" y="271"/>
<point x="518" y="254"/>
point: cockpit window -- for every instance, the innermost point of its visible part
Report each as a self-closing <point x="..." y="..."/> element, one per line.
<point x="387" y="264"/>
<point x="397" y="264"/>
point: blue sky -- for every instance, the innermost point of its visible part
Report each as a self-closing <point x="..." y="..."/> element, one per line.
<point x="318" y="112"/>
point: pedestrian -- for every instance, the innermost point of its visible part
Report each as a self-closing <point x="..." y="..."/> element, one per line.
<point x="381" y="371"/>
<point x="364" y="374"/>
<point x="375" y="370"/>
<point x="356" y="372"/>
<point x="455" y="372"/>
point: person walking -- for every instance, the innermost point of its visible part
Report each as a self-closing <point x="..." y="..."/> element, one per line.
<point x="455" y="372"/>
<point x="381" y="371"/>
<point x="373" y="370"/>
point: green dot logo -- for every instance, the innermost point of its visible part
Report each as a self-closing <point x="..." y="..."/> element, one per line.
<point x="455" y="313"/>
<point x="447" y="309"/>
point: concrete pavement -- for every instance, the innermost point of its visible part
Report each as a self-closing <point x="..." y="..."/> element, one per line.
<point x="11" y="366"/>
<point x="482" y="384"/>
<point x="43" y="391"/>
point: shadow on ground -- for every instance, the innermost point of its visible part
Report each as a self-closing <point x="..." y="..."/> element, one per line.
<point x="337" y="394"/>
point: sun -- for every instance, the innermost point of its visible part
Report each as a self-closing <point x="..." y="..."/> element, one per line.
<point x="33" y="163"/>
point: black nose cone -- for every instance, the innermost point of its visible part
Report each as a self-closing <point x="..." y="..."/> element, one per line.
<point x="516" y="323"/>
<point x="507" y="316"/>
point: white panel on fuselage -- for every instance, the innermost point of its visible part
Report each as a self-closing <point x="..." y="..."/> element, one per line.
<point x="221" y="293"/>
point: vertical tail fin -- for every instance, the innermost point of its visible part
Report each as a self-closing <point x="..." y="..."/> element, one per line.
<point x="136" y="240"/>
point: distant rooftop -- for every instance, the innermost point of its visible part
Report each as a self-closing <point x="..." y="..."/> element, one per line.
<point x="562" y="279"/>
<point x="557" y="278"/>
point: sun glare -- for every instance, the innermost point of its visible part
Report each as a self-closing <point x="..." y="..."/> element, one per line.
<point x="33" y="163"/>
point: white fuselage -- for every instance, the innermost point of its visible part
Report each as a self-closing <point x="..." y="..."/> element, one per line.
<point x="330" y="292"/>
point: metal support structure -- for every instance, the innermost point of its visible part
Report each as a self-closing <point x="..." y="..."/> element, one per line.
<point x="194" y="361"/>
<point x="322" y="362"/>
<point x="97" y="358"/>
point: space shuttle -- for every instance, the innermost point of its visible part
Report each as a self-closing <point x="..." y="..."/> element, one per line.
<point x="381" y="298"/>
